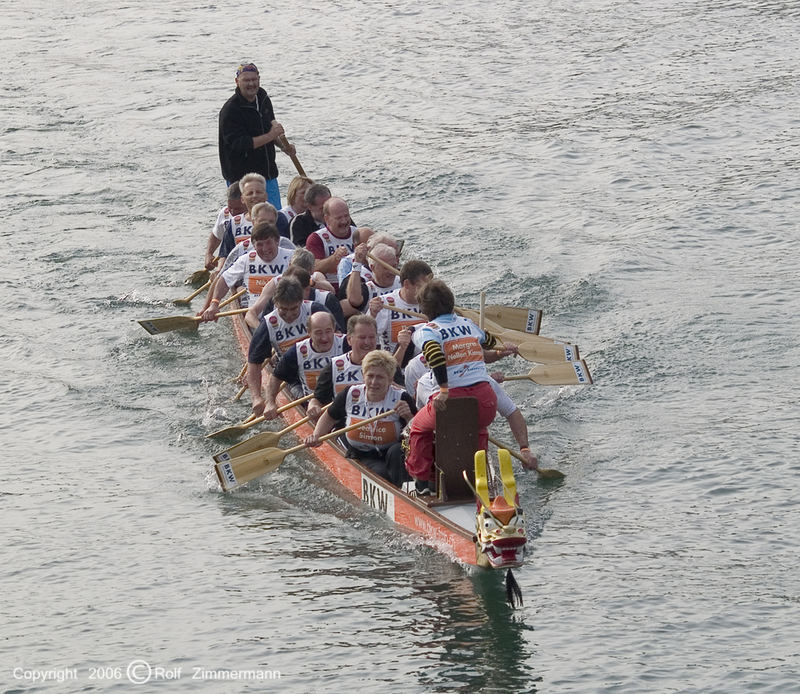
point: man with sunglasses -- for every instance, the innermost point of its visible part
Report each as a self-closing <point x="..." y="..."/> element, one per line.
<point x="248" y="133"/>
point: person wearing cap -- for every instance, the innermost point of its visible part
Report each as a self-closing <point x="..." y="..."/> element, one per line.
<point x="248" y="133"/>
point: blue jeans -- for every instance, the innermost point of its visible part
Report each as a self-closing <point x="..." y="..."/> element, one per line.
<point x="274" y="193"/>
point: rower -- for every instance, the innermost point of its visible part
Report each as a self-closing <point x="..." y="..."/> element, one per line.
<point x="321" y="296"/>
<point x="358" y="290"/>
<point x="277" y="332"/>
<point x="332" y="243"/>
<point x="302" y="258"/>
<point x="306" y="223"/>
<point x="453" y="348"/>
<point x="413" y="275"/>
<point x="376" y="446"/>
<point x="234" y="208"/>
<point x="361" y="238"/>
<point x="254" y="269"/>
<point x="235" y="241"/>
<point x="421" y="384"/>
<point x="362" y="336"/>
<point x="302" y="363"/>
<point x="295" y="203"/>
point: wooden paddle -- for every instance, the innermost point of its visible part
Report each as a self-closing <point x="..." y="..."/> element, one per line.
<point x="568" y="373"/>
<point x="244" y="426"/>
<point x="240" y="392"/>
<point x="498" y="329"/>
<point x="188" y="299"/>
<point x="390" y="268"/>
<point x="199" y="276"/>
<point x="547" y="473"/>
<point x="285" y="144"/>
<point x="544" y="352"/>
<point x="156" y="326"/>
<point x="266" y="439"/>
<point x="547" y="352"/>
<point x="164" y="325"/>
<point x="415" y="314"/>
<point x="241" y="469"/>
<point x="527" y="320"/>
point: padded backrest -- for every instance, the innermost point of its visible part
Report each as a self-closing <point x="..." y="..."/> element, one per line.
<point x="456" y="443"/>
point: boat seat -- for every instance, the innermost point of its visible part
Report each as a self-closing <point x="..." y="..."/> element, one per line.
<point x="456" y="443"/>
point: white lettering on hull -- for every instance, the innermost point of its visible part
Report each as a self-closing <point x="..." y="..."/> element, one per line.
<point x="377" y="497"/>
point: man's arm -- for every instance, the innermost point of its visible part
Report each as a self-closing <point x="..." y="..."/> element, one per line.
<point x="519" y="428"/>
<point x="254" y="384"/>
<point x="272" y="135"/>
<point x="211" y="246"/>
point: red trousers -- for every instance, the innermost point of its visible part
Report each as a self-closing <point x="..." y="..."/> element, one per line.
<point x="419" y="462"/>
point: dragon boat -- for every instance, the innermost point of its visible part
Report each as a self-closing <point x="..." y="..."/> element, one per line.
<point x="463" y="520"/>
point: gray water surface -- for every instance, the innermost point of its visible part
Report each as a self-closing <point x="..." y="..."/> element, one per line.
<point x="630" y="169"/>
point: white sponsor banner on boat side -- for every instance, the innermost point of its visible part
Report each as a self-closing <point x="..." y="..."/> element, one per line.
<point x="377" y="497"/>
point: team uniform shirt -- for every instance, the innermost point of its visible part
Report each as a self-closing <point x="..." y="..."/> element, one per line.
<point x="288" y="212"/>
<point x="323" y="244"/>
<point x="223" y="217"/>
<point x="345" y="373"/>
<point x="353" y="407"/>
<point x="416" y="369"/>
<point x="238" y="228"/>
<point x="371" y="290"/>
<point x="275" y="334"/>
<point x="320" y="296"/>
<point x="342" y="372"/>
<point x="302" y="365"/>
<point x="460" y="340"/>
<point x="391" y="322"/>
<point x="250" y="270"/>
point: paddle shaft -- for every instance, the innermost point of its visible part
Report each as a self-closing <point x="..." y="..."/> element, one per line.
<point x="285" y="144"/>
<point x="390" y="268"/>
<point x="415" y="314"/>
<point x="231" y="299"/>
<point x="341" y="431"/>
<point x="266" y="439"/>
<point x="542" y="472"/>
<point x="191" y="296"/>
<point x="287" y="406"/>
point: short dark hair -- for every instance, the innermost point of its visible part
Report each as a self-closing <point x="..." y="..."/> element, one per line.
<point x="314" y="191"/>
<point x="435" y="299"/>
<point x="299" y="273"/>
<point x="264" y="230"/>
<point x="412" y="270"/>
<point x="288" y="291"/>
<point x="234" y="192"/>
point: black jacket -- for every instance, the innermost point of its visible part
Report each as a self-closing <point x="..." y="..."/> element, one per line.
<point x="239" y="122"/>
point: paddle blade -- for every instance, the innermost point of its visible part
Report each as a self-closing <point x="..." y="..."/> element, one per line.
<point x="156" y="326"/>
<point x="551" y="474"/>
<point x="198" y="277"/>
<point x="568" y="373"/>
<point x="240" y="470"/>
<point x="527" y="320"/>
<point x="546" y="352"/>
<point x="267" y="439"/>
<point x="233" y="430"/>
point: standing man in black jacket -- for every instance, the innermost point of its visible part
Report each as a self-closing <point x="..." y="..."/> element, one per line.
<point x="248" y="133"/>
